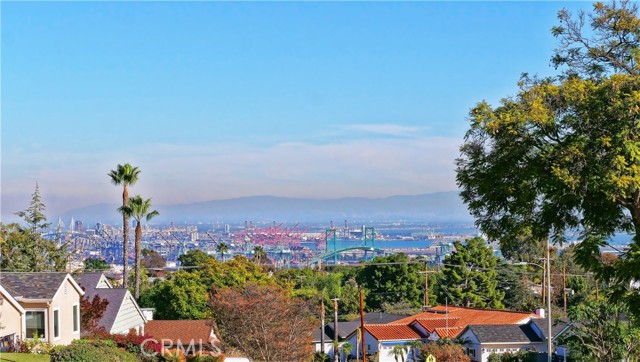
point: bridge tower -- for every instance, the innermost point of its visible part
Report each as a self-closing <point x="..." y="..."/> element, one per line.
<point x="369" y="236"/>
<point x="330" y="235"/>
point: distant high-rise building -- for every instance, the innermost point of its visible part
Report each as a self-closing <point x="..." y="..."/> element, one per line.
<point x="79" y="227"/>
<point x="227" y="228"/>
<point x="72" y="225"/>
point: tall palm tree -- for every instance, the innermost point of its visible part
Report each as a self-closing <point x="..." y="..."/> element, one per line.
<point x="399" y="350"/>
<point x="138" y="208"/>
<point x="125" y="175"/>
<point x="259" y="254"/>
<point x="222" y="248"/>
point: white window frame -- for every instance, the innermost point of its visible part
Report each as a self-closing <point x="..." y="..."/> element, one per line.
<point x="46" y="322"/>
<point x="77" y="316"/>
<point x="57" y="309"/>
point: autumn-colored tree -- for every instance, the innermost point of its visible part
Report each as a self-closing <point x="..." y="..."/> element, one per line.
<point x="445" y="351"/>
<point x="264" y="322"/>
<point x="91" y="311"/>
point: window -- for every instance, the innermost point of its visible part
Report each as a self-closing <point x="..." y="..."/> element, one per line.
<point x="56" y="323"/>
<point x="471" y="352"/>
<point x="35" y="324"/>
<point x="76" y="318"/>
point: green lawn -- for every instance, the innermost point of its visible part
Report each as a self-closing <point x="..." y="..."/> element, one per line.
<point x="23" y="357"/>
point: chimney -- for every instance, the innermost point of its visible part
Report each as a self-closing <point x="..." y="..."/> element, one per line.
<point x="540" y="312"/>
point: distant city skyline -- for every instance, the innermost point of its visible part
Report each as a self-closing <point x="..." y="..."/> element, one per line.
<point x="217" y="100"/>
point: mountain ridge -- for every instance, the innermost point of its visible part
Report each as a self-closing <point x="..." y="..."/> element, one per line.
<point x="430" y="207"/>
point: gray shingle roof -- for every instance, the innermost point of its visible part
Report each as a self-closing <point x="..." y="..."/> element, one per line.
<point x="32" y="285"/>
<point x="557" y="326"/>
<point x="115" y="296"/>
<point x="497" y="333"/>
<point x="87" y="280"/>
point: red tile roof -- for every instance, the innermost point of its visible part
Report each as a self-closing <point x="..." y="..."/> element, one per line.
<point x="430" y="324"/>
<point x="457" y="318"/>
<point x="451" y="332"/>
<point x="471" y="316"/>
<point x="183" y="330"/>
<point x="391" y="332"/>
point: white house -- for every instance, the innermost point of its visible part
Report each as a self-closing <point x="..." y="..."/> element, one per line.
<point x="122" y="313"/>
<point x="483" y="340"/>
<point x="382" y="338"/>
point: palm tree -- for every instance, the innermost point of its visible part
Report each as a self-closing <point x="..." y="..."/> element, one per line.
<point x="222" y="248"/>
<point x="138" y="209"/>
<point x="259" y="254"/>
<point x="399" y="350"/>
<point x="346" y="349"/>
<point x="415" y="349"/>
<point x="125" y="175"/>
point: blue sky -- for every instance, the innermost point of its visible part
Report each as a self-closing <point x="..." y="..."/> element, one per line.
<point x="216" y="100"/>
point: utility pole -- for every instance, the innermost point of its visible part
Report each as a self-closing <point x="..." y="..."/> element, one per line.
<point x="549" y="336"/>
<point x="322" y="323"/>
<point x="426" y="285"/>
<point x="564" y="288"/>
<point x="336" y="349"/>
<point x="362" y="342"/>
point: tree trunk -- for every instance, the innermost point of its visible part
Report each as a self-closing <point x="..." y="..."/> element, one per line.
<point x="136" y="291"/>
<point x="125" y="237"/>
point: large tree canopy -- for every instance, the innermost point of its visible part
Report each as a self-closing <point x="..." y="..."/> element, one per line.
<point x="564" y="154"/>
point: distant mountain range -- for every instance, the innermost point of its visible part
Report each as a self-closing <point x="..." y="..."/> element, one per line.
<point x="433" y="207"/>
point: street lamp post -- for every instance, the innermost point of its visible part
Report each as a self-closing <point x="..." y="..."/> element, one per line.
<point x="548" y="271"/>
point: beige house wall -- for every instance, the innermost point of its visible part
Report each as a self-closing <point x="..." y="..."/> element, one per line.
<point x="63" y="301"/>
<point x="11" y="320"/>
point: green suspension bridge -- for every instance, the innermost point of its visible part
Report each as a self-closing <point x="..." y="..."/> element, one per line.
<point x="369" y="247"/>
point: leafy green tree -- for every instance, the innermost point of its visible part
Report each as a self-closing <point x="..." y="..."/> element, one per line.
<point x="394" y="282"/>
<point x="222" y="248"/>
<point x="470" y="277"/>
<point x="125" y="175"/>
<point x="95" y="264"/>
<point x="24" y="248"/>
<point x="181" y="296"/>
<point x="601" y="332"/>
<point x="193" y="258"/>
<point x="564" y="154"/>
<point x="139" y="209"/>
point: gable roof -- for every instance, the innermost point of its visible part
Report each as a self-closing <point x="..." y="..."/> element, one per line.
<point x="115" y="296"/>
<point x="35" y="286"/>
<point x="183" y="330"/>
<point x="449" y="332"/>
<point x="468" y="316"/>
<point x="345" y="329"/>
<point x="557" y="326"/>
<point x="392" y="332"/>
<point x="6" y="295"/>
<point x="93" y="279"/>
<point x="504" y="333"/>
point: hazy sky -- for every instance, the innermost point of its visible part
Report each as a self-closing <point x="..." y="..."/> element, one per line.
<point x="217" y="100"/>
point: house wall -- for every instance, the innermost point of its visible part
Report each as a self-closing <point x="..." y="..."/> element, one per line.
<point x="64" y="299"/>
<point x="11" y="319"/>
<point x="128" y="317"/>
<point x="503" y="348"/>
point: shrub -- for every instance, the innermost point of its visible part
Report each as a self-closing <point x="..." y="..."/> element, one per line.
<point x="205" y="358"/>
<point x="87" y="352"/>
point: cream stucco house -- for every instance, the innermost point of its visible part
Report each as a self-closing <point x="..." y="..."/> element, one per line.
<point x="43" y="304"/>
